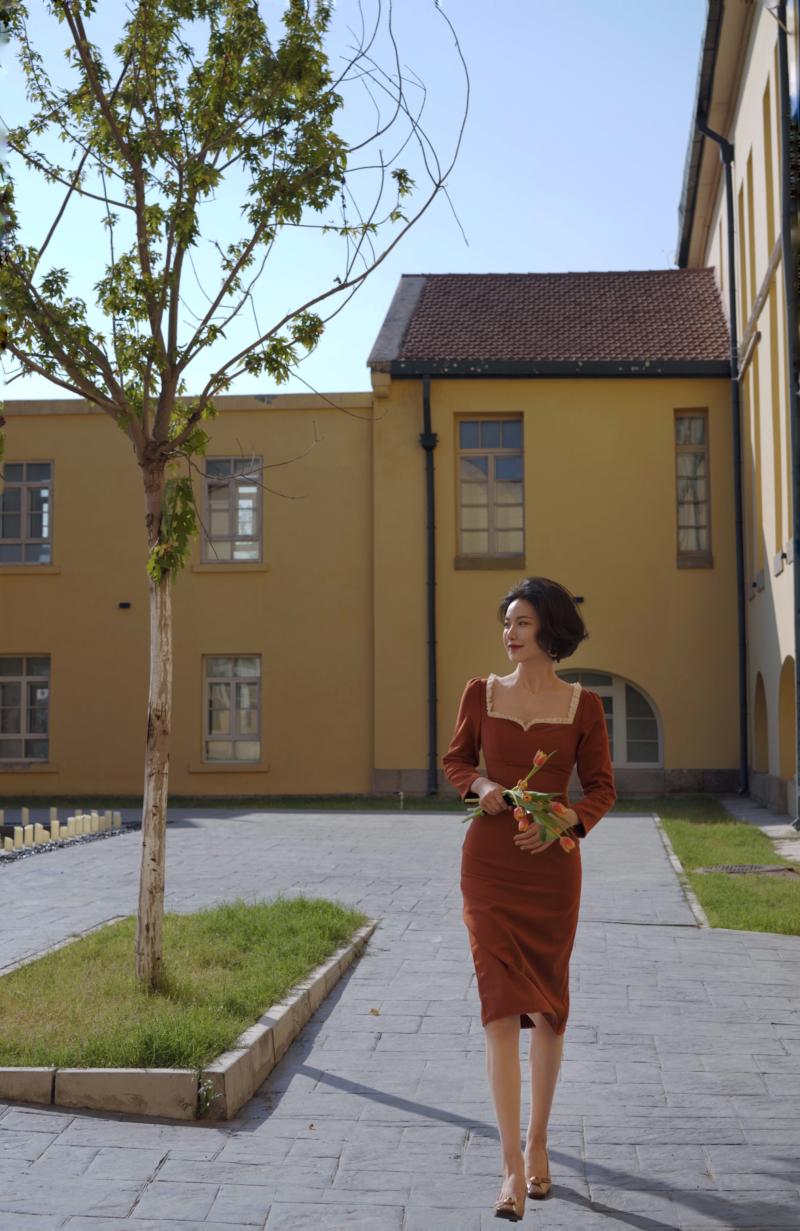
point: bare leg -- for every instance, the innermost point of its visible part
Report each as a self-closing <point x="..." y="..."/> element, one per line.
<point x="544" y="1057"/>
<point x="503" y="1069"/>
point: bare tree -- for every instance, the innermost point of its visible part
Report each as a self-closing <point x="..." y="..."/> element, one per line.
<point x="196" y="94"/>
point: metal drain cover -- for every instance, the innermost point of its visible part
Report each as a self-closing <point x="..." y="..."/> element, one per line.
<point x="741" y="868"/>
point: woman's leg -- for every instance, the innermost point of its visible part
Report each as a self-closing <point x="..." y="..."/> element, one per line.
<point x="503" y="1069"/>
<point x="544" y="1061"/>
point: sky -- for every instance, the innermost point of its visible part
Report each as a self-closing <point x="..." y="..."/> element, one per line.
<point x="572" y="158"/>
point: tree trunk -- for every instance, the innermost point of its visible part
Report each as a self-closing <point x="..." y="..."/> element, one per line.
<point x="156" y="765"/>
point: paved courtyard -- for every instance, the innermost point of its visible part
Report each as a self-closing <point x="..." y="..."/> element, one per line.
<point x="678" y="1103"/>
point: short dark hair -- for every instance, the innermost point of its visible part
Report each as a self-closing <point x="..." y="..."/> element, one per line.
<point x="561" y="625"/>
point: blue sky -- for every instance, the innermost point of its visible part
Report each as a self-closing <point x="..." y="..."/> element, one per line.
<point x="572" y="159"/>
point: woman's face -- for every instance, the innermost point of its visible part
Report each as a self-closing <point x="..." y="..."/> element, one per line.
<point x="520" y="627"/>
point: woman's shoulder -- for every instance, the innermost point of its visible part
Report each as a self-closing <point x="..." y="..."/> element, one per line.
<point x="592" y="703"/>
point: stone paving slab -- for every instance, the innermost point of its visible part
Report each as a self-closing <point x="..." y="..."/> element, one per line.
<point x="677" y="1102"/>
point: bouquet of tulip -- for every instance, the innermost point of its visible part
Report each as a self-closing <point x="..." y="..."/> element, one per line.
<point x="541" y="806"/>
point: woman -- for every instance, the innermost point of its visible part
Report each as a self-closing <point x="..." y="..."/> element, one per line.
<point x="521" y="893"/>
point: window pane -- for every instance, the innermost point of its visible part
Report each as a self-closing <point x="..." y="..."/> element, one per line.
<point x="10" y="553"/>
<point x="693" y="539"/>
<point x="469" y="434"/>
<point x="690" y="429"/>
<point x="39" y="665"/>
<point x="490" y="434"/>
<point x="246" y="696"/>
<point x="508" y="516"/>
<point x="473" y="541"/>
<point x="10" y="694"/>
<point x="512" y="433"/>
<point x="643" y="750"/>
<point x="218" y="466"/>
<point x="508" y="467"/>
<point x="247" y="465"/>
<point x="11" y="666"/>
<point x="11" y="500"/>
<point x="37" y="553"/>
<point x="37" y="720"/>
<point x="13" y="472"/>
<point x="509" y="540"/>
<point x="248" y="722"/>
<point x="246" y="510"/>
<point x="219" y="523"/>
<point x="691" y="464"/>
<point x="220" y="696"/>
<point x="247" y="750"/>
<point x="10" y="721"/>
<point x="218" y="495"/>
<point x="39" y="512"/>
<point x="219" y="666"/>
<point x="10" y="526"/>
<point x="219" y="722"/>
<point x="473" y="517"/>
<point x="475" y="469"/>
<point x="10" y="748"/>
<point x="218" y="551"/>
<point x="38" y="470"/>
<point x="508" y="493"/>
<point x="691" y="489"/>
<point x="246" y="551"/>
<point x="219" y="750"/>
<point x="474" y="493"/>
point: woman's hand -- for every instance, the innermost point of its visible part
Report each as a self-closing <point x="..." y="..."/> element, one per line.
<point x="533" y="840"/>
<point x="490" y="795"/>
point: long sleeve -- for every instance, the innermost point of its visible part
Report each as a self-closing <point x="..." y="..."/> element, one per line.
<point x="460" y="762"/>
<point x="595" y="770"/>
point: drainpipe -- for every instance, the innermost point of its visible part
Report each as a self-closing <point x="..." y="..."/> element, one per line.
<point x="788" y="219"/>
<point x="428" y="439"/>
<point x="726" y="154"/>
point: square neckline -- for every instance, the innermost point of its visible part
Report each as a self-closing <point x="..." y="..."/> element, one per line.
<point x="570" y="717"/>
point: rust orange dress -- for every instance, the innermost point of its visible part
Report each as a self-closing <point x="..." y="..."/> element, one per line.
<point x="521" y="910"/>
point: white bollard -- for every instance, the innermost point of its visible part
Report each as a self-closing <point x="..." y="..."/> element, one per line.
<point x="40" y="834"/>
<point x="117" y="816"/>
<point x="8" y="844"/>
<point x="19" y="837"/>
<point x="94" y="823"/>
<point x="70" y="827"/>
<point x="55" y="831"/>
<point x="54" y="814"/>
<point x="26" y="817"/>
<point x="27" y="834"/>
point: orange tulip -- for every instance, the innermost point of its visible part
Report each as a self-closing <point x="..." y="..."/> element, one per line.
<point x="540" y="758"/>
<point x="523" y="825"/>
<point x="520" y="813"/>
<point x="557" y="807"/>
<point x="566" y="842"/>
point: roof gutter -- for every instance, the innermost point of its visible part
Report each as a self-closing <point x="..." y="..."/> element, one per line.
<point x="694" y="152"/>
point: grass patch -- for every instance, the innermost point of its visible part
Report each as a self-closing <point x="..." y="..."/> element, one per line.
<point x="702" y="832"/>
<point x="80" y="1007"/>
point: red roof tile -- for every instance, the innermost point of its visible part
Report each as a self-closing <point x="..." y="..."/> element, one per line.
<point x="628" y="316"/>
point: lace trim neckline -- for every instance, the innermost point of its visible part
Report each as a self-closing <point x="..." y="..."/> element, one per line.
<point x="573" y="705"/>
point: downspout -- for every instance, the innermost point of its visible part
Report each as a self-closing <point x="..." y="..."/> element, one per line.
<point x="428" y="439"/>
<point x="789" y="274"/>
<point x="726" y="154"/>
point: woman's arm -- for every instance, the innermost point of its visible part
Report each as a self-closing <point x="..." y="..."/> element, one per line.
<point x="595" y="770"/>
<point x="460" y="762"/>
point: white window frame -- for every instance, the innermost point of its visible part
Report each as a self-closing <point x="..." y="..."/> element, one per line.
<point x="26" y="681"/>
<point x="25" y="486"/>
<point x="209" y="554"/>
<point x="492" y="451"/>
<point x="233" y="736"/>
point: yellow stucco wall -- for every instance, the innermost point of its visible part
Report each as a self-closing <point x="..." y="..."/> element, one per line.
<point x="307" y="612"/>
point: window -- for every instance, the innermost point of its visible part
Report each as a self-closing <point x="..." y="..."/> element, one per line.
<point x="25" y="521"/>
<point x="490" y="521"/>
<point x="24" y="708"/>
<point x="692" y="489"/>
<point x="232" y="509"/>
<point x="633" y="730"/>
<point x="232" y="708"/>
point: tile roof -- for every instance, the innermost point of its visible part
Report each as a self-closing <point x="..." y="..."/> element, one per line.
<point x="618" y="320"/>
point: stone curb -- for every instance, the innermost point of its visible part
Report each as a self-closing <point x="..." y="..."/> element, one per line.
<point x="216" y="1092"/>
<point x="689" y="893"/>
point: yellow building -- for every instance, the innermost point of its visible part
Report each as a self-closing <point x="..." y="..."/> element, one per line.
<point x="738" y="215"/>
<point x="575" y="425"/>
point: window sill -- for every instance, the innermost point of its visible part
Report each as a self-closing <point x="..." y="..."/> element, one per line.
<point x="29" y="568"/>
<point x="228" y="767"/>
<point x="489" y="562"/>
<point x="232" y="566"/>
<point x="28" y="767"/>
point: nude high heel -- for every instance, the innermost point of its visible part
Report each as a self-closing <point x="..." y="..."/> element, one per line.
<point x="507" y="1208"/>
<point x="539" y="1185"/>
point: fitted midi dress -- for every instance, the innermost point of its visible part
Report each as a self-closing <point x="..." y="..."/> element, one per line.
<point x="521" y="910"/>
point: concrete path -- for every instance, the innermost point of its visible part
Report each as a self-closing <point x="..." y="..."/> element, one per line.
<point x="677" y="1103"/>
